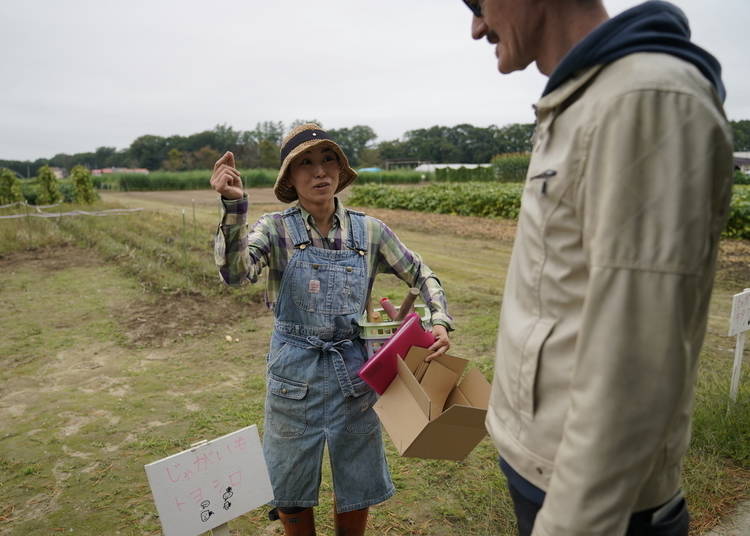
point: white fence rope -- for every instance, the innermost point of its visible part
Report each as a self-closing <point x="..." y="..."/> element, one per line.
<point x="110" y="212"/>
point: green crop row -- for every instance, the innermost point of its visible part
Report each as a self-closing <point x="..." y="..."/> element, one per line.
<point x="500" y="201"/>
<point x="466" y="198"/>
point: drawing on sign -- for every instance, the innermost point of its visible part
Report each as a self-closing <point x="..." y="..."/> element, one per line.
<point x="206" y="513"/>
<point x="226" y="496"/>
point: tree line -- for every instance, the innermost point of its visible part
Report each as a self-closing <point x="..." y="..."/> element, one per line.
<point x="259" y="148"/>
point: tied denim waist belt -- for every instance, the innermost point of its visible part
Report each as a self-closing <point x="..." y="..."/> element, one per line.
<point x="331" y="348"/>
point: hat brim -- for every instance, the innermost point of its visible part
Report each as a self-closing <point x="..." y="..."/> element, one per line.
<point x="283" y="189"/>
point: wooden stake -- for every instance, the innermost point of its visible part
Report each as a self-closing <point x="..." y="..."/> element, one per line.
<point x="407" y="303"/>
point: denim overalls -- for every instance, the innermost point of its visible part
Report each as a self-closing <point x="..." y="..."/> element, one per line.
<point x="314" y="394"/>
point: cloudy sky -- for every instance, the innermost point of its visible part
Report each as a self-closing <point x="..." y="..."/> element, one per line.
<point x="81" y="74"/>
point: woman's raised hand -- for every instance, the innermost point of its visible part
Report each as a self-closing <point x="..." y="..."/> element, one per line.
<point x="226" y="179"/>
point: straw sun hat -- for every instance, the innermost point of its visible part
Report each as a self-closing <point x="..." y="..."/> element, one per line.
<point x="299" y="140"/>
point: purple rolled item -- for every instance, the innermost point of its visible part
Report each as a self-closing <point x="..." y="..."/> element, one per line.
<point x="388" y="307"/>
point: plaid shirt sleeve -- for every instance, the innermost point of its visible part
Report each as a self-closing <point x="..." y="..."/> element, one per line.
<point x="239" y="255"/>
<point x="395" y="258"/>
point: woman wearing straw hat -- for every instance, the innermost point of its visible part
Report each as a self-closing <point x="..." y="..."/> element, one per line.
<point x="322" y="260"/>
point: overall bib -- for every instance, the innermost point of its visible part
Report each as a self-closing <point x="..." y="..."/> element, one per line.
<point x="314" y="395"/>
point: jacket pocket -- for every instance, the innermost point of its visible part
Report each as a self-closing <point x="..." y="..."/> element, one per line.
<point x="360" y="417"/>
<point x="286" y="407"/>
<point x="532" y="353"/>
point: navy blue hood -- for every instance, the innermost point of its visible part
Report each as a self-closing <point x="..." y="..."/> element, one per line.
<point x="653" y="26"/>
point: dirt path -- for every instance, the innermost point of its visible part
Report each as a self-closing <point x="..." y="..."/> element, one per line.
<point x="737" y="524"/>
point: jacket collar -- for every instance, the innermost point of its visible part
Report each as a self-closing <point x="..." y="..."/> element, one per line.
<point x="565" y="91"/>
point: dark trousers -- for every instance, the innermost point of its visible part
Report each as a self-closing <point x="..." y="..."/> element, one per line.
<point x="675" y="523"/>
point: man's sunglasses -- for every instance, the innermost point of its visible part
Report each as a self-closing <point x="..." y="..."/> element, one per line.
<point x="474" y="6"/>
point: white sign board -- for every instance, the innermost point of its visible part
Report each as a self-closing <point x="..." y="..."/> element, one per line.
<point x="740" y="319"/>
<point x="205" y="486"/>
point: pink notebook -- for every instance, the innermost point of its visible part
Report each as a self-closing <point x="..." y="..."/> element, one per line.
<point x="381" y="368"/>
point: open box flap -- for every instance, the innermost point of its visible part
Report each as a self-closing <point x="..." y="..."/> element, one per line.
<point x="417" y="355"/>
<point x="475" y="388"/>
<point x="437" y="382"/>
<point x="402" y="414"/>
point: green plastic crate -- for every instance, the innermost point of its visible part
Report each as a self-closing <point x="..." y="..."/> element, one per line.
<point x="376" y="333"/>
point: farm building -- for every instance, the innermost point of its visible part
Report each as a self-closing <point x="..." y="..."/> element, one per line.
<point x="430" y="168"/>
<point x="742" y="162"/>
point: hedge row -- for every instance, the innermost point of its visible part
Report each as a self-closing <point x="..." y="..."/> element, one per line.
<point x="462" y="174"/>
<point x="397" y="176"/>
<point x="511" y="167"/>
<point x="500" y="201"/>
<point x="178" y="180"/>
<point x="199" y="179"/>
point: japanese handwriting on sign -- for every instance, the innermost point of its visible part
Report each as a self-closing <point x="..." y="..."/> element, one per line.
<point x="202" y="460"/>
<point x="175" y="473"/>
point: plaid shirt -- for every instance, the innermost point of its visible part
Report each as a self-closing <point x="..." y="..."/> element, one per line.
<point x="241" y="256"/>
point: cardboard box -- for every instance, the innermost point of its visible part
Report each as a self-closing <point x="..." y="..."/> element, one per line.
<point x="428" y="412"/>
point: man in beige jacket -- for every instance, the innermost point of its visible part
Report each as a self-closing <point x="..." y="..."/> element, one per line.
<point x="607" y="294"/>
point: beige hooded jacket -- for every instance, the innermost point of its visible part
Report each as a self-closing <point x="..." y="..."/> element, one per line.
<point x="607" y="294"/>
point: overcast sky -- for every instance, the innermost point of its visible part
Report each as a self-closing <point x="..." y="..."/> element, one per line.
<point x="78" y="74"/>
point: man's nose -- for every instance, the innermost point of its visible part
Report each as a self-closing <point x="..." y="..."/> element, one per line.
<point x="318" y="169"/>
<point x="478" y="28"/>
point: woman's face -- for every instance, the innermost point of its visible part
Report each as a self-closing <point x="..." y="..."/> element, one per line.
<point x="315" y="175"/>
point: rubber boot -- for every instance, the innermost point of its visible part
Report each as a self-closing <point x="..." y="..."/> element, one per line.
<point x="351" y="523"/>
<point x="298" y="524"/>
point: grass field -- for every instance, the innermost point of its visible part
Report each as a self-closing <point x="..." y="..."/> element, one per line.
<point x="114" y="353"/>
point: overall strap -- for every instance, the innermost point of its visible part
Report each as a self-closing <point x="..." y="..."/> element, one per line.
<point x="357" y="238"/>
<point x="295" y="227"/>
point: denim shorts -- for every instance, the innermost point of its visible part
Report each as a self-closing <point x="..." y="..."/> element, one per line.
<point x="306" y="409"/>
